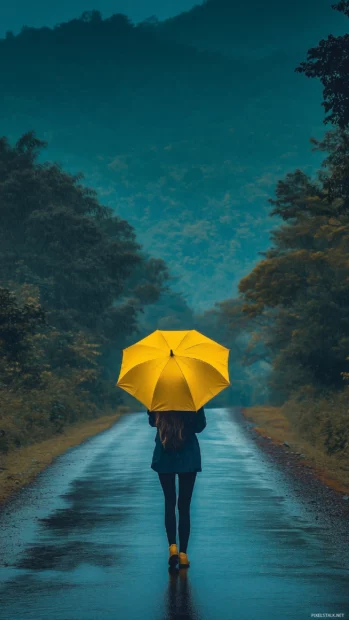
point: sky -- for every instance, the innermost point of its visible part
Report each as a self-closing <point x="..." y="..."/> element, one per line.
<point x="16" y="13"/>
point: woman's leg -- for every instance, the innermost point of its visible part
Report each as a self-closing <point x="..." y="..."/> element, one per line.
<point x="168" y="483"/>
<point x="186" y="486"/>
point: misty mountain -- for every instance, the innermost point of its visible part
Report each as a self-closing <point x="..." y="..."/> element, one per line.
<point x="255" y="28"/>
<point x="185" y="144"/>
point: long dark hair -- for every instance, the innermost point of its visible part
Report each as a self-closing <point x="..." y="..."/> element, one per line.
<point x="173" y="427"/>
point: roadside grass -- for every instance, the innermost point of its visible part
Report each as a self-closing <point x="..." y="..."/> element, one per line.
<point x="276" y="423"/>
<point x="20" y="466"/>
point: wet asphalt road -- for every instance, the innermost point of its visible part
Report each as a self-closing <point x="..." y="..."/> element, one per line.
<point x="86" y="540"/>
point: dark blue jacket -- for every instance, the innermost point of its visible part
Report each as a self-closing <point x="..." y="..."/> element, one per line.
<point x="188" y="457"/>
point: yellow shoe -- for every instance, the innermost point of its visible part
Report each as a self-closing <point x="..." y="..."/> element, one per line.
<point x="173" y="557"/>
<point x="183" y="560"/>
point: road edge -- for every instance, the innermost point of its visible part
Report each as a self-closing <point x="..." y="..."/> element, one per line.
<point x="324" y="502"/>
<point x="21" y="466"/>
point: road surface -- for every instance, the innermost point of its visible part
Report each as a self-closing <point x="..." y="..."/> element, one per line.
<point x="86" y="540"/>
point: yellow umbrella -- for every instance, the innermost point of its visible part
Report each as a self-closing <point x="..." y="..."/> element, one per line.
<point x="174" y="370"/>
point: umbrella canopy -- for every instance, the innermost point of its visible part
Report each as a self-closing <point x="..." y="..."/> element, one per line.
<point x="174" y="370"/>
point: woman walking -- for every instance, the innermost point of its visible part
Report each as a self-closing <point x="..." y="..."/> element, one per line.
<point x="177" y="451"/>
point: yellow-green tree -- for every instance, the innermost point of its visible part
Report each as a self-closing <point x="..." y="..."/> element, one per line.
<point x="304" y="279"/>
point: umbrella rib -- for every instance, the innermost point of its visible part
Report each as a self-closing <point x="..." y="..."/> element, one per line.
<point x="134" y="366"/>
<point x="204" y="362"/>
<point x="196" y="358"/>
<point x="158" y="380"/>
<point x="199" y="344"/>
<point x="185" y="335"/>
<point x="186" y="381"/>
<point x="134" y="393"/>
<point x="164" y="338"/>
<point x="150" y="346"/>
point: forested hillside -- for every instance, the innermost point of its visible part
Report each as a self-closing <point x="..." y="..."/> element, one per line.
<point x="270" y="26"/>
<point x="186" y="145"/>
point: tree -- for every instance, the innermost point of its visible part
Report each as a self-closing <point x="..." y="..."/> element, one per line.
<point x="56" y="235"/>
<point x="92" y="277"/>
<point x="91" y="16"/>
<point x="304" y="279"/>
<point x="329" y="62"/>
<point x="19" y="362"/>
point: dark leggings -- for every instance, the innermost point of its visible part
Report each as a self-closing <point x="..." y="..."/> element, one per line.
<point x="186" y="486"/>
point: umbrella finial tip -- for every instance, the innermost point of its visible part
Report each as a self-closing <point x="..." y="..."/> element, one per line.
<point x="171" y="353"/>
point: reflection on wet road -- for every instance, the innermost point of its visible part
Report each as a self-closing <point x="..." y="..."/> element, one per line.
<point x="87" y="540"/>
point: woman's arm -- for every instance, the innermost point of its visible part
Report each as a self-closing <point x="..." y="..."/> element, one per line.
<point x="199" y="421"/>
<point x="151" y="418"/>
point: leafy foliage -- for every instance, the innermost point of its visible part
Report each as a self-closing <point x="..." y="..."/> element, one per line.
<point x="329" y="62"/>
<point x="304" y="279"/>
<point x="73" y="282"/>
<point x="19" y="359"/>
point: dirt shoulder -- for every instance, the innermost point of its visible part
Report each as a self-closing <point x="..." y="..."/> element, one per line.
<point x="314" y="478"/>
<point x="19" y="467"/>
<point x="271" y="423"/>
